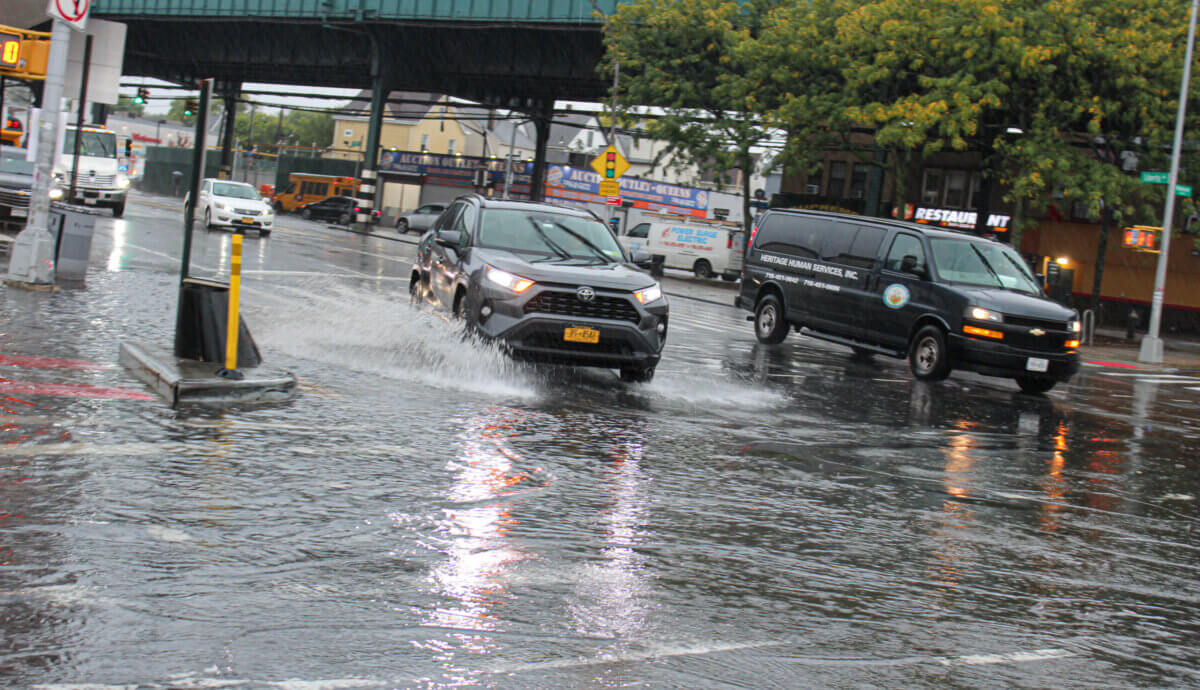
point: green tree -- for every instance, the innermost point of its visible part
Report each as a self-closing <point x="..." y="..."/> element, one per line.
<point x="1053" y="94"/>
<point x="683" y="56"/>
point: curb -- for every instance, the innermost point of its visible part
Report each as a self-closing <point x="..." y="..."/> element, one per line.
<point x="182" y="382"/>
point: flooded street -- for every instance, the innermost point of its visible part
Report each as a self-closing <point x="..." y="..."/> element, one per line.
<point x="427" y="513"/>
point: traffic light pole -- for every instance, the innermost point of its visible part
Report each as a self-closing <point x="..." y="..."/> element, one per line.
<point x="83" y="83"/>
<point x="1151" y="350"/>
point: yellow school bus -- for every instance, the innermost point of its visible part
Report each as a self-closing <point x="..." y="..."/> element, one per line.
<point x="304" y="188"/>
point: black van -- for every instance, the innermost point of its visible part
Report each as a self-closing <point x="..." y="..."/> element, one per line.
<point x="943" y="299"/>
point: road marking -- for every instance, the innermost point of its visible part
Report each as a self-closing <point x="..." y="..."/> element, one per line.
<point x="1009" y="658"/>
<point x="72" y="390"/>
<point x="49" y="363"/>
<point x="1115" y="365"/>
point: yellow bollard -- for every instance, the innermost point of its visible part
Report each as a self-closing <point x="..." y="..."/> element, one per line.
<point x="235" y="289"/>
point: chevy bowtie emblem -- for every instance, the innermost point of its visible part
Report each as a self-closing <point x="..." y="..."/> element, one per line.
<point x="1036" y="331"/>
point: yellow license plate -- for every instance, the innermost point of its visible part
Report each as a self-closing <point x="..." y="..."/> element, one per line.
<point x="247" y="221"/>
<point x="582" y="334"/>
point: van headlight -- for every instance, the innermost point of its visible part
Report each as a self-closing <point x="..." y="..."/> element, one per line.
<point x="507" y="280"/>
<point x="981" y="314"/>
<point x="1075" y="326"/>
<point x="650" y="294"/>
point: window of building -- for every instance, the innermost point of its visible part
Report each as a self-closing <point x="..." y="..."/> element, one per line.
<point x="858" y="180"/>
<point x="931" y="187"/>
<point x="813" y="184"/>
<point x="450" y="148"/>
<point x="837" y="180"/>
<point x="975" y="195"/>
<point x="589" y="138"/>
<point x="956" y="189"/>
<point x="424" y="143"/>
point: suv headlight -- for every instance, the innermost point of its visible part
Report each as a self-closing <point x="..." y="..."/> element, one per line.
<point x="650" y="294"/>
<point x="981" y="314"/>
<point x="507" y="280"/>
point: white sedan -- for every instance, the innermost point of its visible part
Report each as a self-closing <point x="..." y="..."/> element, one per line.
<point x="234" y="204"/>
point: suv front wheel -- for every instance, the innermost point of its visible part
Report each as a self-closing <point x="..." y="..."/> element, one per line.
<point x="770" y="326"/>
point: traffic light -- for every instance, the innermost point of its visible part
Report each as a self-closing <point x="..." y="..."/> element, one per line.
<point x="142" y="94"/>
<point x="128" y="148"/>
<point x="610" y="165"/>
<point x="23" y="53"/>
<point x="190" y="107"/>
<point x="10" y="50"/>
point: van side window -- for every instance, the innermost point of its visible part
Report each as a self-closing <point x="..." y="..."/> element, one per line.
<point x="800" y="237"/>
<point x="837" y="245"/>
<point x="866" y="246"/>
<point x="905" y="245"/>
<point x="640" y="230"/>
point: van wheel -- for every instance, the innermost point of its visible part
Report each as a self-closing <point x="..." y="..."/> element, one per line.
<point x="637" y="374"/>
<point x="1035" y="385"/>
<point x="703" y="269"/>
<point x="770" y="326"/>
<point x="306" y="213"/>
<point x="927" y="355"/>
<point x="118" y="210"/>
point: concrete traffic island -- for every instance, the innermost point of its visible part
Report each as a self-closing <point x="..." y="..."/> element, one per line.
<point x="183" y="381"/>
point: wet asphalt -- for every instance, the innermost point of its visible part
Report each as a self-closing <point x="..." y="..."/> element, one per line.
<point x="427" y="513"/>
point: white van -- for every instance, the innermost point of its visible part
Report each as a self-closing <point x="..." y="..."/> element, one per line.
<point x="708" y="248"/>
<point x="98" y="182"/>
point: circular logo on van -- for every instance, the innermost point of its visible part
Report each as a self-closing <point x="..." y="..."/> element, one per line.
<point x="896" y="296"/>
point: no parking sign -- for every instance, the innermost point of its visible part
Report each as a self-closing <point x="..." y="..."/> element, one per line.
<point x="73" y="12"/>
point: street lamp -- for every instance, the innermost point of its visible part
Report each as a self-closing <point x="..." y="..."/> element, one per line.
<point x="1151" y="350"/>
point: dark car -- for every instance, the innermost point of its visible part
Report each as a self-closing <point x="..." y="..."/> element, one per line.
<point x="943" y="299"/>
<point x="550" y="283"/>
<point x="339" y="209"/>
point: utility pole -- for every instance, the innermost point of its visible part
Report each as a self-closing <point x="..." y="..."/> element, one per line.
<point x="1151" y="350"/>
<point x="32" y="259"/>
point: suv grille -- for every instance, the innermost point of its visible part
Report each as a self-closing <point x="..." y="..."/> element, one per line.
<point x="567" y="304"/>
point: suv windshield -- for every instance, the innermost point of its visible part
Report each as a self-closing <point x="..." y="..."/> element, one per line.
<point x="543" y="232"/>
<point x="235" y="190"/>
<point x="985" y="264"/>
<point x="95" y="144"/>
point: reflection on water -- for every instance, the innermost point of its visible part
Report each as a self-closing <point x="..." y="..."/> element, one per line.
<point x="478" y="552"/>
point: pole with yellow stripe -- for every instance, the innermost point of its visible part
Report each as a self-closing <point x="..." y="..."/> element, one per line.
<point x="231" y="328"/>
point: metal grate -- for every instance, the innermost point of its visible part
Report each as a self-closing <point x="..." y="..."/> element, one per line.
<point x="246" y="211"/>
<point x="83" y="179"/>
<point x="14" y="199"/>
<point x="1044" y="324"/>
<point x="567" y="304"/>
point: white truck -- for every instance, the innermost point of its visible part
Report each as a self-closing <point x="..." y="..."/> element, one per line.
<point x="98" y="181"/>
<point x="708" y="248"/>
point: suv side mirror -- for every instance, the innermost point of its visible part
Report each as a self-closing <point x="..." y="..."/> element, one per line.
<point x="641" y="258"/>
<point x="448" y="238"/>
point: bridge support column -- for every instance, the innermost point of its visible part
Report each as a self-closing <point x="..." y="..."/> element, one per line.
<point x="368" y="179"/>
<point x="231" y="94"/>
<point x="542" y="115"/>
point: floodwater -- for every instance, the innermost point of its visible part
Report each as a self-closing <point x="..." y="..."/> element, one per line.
<point x="428" y="513"/>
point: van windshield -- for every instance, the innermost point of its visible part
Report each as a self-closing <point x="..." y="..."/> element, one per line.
<point x="95" y="144"/>
<point x="984" y="264"/>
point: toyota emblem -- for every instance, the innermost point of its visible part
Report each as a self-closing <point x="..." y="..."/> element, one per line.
<point x="585" y="294"/>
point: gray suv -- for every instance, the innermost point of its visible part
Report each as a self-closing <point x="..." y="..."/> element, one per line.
<point x="549" y="283"/>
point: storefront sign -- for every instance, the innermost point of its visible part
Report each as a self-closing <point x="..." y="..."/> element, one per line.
<point x="953" y="218"/>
